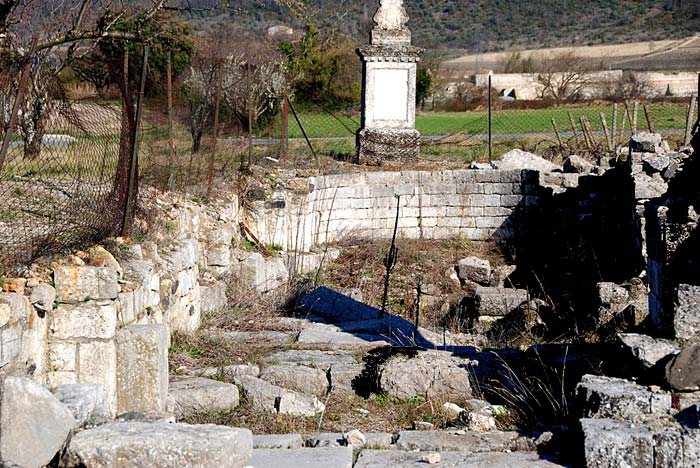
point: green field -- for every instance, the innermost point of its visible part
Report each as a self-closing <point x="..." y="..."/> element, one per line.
<point x="664" y="116"/>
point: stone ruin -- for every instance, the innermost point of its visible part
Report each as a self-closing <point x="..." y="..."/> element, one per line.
<point x="85" y="379"/>
<point x="390" y="64"/>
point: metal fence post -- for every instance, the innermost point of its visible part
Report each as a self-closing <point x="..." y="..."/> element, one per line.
<point x="126" y="221"/>
<point x="490" y="125"/>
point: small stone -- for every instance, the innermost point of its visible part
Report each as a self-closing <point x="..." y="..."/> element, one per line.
<point x="431" y="458"/>
<point x="453" y="411"/>
<point x="355" y="438"/>
<point x="100" y="257"/>
<point x="474" y="269"/>
<point x="422" y="426"/>
<point x="577" y="165"/>
<point x="77" y="261"/>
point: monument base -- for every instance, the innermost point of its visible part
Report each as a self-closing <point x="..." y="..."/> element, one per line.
<point x="380" y="146"/>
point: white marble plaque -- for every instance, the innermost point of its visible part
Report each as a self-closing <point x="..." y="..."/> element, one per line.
<point x="391" y="94"/>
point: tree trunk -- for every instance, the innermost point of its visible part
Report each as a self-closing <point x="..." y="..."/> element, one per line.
<point x="197" y="140"/>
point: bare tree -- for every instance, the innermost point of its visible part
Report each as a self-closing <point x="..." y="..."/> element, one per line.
<point x="563" y="78"/>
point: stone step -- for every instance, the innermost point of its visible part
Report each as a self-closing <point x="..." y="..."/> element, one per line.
<point x="193" y="395"/>
<point x="411" y="459"/>
<point x="462" y="441"/>
<point x="277" y="441"/>
<point x="324" y="457"/>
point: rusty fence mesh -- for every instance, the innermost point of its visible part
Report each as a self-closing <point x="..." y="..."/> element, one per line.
<point x="56" y="182"/>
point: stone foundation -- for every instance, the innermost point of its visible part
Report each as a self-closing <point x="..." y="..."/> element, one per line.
<point x="377" y="147"/>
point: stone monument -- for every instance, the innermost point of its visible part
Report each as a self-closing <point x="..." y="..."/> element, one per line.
<point x="389" y="63"/>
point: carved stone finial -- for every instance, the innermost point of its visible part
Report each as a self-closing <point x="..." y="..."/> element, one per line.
<point x="390" y="16"/>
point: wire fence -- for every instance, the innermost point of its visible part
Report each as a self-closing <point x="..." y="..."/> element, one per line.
<point x="62" y="177"/>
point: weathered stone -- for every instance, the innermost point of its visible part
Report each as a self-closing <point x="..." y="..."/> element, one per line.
<point x="519" y="159"/>
<point x="85" y="320"/>
<point x="312" y="357"/>
<point x="227" y="373"/>
<point x="430" y="374"/>
<point x="646" y="350"/>
<point x="308" y="380"/>
<point x="498" y="302"/>
<point x="500" y="275"/>
<point x="655" y="163"/>
<point x="479" y="416"/>
<point x="79" y="284"/>
<point x="196" y="395"/>
<point x="100" y="257"/>
<point x="142" y="368"/>
<point x="98" y="365"/>
<point x="577" y="165"/>
<point x="152" y="444"/>
<point x="609" y="443"/>
<point x="277" y="441"/>
<point x="87" y="402"/>
<point x="646" y="187"/>
<point x="327" y="439"/>
<point x="322" y="457"/>
<point x="343" y="375"/>
<point x="213" y="296"/>
<point x="474" y="269"/>
<point x="683" y="371"/>
<point x="355" y="438"/>
<point x="452" y="410"/>
<point x="43" y="297"/>
<point x="612" y="299"/>
<point x="402" y="459"/>
<point x="474" y="442"/>
<point x="379" y="146"/>
<point x="644" y="142"/>
<point x="34" y="425"/>
<point x="423" y="426"/>
<point x="610" y="397"/>
<point x="183" y="256"/>
<point x="691" y="448"/>
<point x="265" y="396"/>
<point x="321" y="334"/>
<point x="379" y="440"/>
<point x="686" y="319"/>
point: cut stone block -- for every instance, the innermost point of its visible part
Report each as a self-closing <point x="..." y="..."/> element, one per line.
<point x="683" y="371"/>
<point x="430" y="374"/>
<point x="34" y="425"/>
<point x="321" y="334"/>
<point x="227" y="373"/>
<point x="85" y="320"/>
<point x="97" y="364"/>
<point x="474" y="442"/>
<point x="646" y="350"/>
<point x="86" y="402"/>
<point x="343" y="375"/>
<point x="686" y="319"/>
<point x="474" y="269"/>
<point x="213" y="296"/>
<point x="157" y="444"/>
<point x="339" y="457"/>
<point x="402" y="459"/>
<point x="83" y="283"/>
<point x="609" y="397"/>
<point x="276" y="441"/>
<point x="609" y="443"/>
<point x="265" y="396"/>
<point x="43" y="297"/>
<point x="519" y="159"/>
<point x="498" y="302"/>
<point x="308" y="380"/>
<point x="644" y="142"/>
<point x="196" y="395"/>
<point x="142" y="368"/>
<point x="311" y="357"/>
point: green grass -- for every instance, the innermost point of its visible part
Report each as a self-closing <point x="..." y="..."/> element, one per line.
<point x="664" y="116"/>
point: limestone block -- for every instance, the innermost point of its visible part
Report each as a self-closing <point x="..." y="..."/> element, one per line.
<point x="142" y="368"/>
<point x="644" y="142"/>
<point x="218" y="247"/>
<point x="343" y="375"/>
<point x="251" y="270"/>
<point x="277" y="441"/>
<point x="683" y="371"/>
<point x="185" y="282"/>
<point x="100" y="257"/>
<point x="686" y="319"/>
<point x="84" y="320"/>
<point x="518" y="159"/>
<point x="97" y="364"/>
<point x="34" y="425"/>
<point x="474" y="442"/>
<point x="498" y="302"/>
<point x="126" y="310"/>
<point x="86" y="402"/>
<point x="609" y="397"/>
<point x="646" y="350"/>
<point x="308" y="380"/>
<point x="213" y="296"/>
<point x="62" y="356"/>
<point x="323" y="457"/>
<point x="159" y="444"/>
<point x="267" y="397"/>
<point x="185" y="255"/>
<point x="474" y="269"/>
<point x="195" y="395"/>
<point x="276" y="274"/>
<point x="43" y="297"/>
<point x="430" y="374"/>
<point x="83" y="283"/>
<point x="609" y="443"/>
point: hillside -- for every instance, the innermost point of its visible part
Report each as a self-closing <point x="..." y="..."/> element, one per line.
<point x="490" y="25"/>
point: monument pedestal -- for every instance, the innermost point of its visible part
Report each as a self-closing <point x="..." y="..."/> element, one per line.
<point x="388" y="131"/>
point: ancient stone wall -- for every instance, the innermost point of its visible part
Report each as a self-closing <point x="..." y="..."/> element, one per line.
<point x="473" y="204"/>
